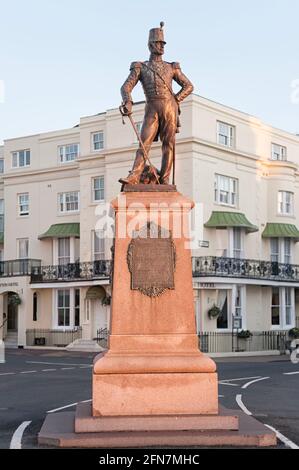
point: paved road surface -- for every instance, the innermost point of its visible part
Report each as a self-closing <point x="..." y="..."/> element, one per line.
<point x="33" y="383"/>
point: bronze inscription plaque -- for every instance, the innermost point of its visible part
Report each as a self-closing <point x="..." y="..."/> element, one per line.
<point x="151" y="262"/>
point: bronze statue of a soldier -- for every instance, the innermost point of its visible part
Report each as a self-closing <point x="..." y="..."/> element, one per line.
<point x="161" y="117"/>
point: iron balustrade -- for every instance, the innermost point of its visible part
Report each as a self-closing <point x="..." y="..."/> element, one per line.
<point x="219" y="342"/>
<point x="58" y="337"/>
<point x="100" y="269"/>
<point x="18" y="267"/>
<point x="204" y="266"/>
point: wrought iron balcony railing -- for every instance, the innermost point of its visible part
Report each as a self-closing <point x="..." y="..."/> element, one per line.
<point x="100" y="269"/>
<point x="244" y="268"/>
<point x="18" y="267"/>
<point x="203" y="266"/>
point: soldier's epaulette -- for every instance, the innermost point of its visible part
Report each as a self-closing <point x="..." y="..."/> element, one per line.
<point x="136" y="65"/>
<point x="176" y="65"/>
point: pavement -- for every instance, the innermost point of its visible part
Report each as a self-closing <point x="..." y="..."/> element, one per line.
<point x="36" y="382"/>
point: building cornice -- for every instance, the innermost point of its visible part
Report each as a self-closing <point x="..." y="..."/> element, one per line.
<point x="57" y="172"/>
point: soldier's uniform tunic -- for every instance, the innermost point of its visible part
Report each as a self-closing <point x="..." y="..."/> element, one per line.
<point x="161" y="110"/>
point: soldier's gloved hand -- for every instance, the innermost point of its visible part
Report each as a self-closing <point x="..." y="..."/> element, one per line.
<point x="127" y="107"/>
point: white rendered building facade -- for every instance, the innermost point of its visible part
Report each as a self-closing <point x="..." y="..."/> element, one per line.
<point x="244" y="174"/>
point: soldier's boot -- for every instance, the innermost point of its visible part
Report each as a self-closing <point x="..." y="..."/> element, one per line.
<point x="131" y="179"/>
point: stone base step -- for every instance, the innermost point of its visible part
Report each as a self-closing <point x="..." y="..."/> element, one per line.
<point x="58" y="430"/>
<point x="84" y="345"/>
<point x="85" y="422"/>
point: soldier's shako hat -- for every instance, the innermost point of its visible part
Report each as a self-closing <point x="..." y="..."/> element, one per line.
<point x="156" y="34"/>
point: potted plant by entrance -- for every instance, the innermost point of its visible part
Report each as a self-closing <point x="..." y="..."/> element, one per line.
<point x="294" y="333"/>
<point x="244" y="334"/>
<point x="14" y="299"/>
<point x="242" y="337"/>
<point x="214" y="312"/>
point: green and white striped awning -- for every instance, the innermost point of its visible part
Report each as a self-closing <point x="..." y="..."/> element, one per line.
<point x="62" y="231"/>
<point x="221" y="219"/>
<point x="279" y="230"/>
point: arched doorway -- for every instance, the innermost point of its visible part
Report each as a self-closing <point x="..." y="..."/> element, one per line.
<point x="99" y="311"/>
<point x="11" y="302"/>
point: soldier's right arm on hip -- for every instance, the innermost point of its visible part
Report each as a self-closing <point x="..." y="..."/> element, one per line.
<point x="183" y="81"/>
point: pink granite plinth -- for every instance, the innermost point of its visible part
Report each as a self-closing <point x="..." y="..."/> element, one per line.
<point x="58" y="430"/>
<point x="155" y="394"/>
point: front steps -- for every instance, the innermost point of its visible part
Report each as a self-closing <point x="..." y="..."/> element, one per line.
<point x="11" y="340"/>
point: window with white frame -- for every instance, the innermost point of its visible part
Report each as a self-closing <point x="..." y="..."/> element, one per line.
<point x="225" y="134"/>
<point x="77" y="308"/>
<point x="23" y="248"/>
<point x="279" y="152"/>
<point x="288" y="306"/>
<point x="23" y="204"/>
<point x="21" y="158"/>
<point x="69" y="202"/>
<point x="67" y="308"/>
<point x="275" y="307"/>
<point x="281" y="250"/>
<point x="98" y="188"/>
<point x="98" y="140"/>
<point x="287" y="250"/>
<point x="226" y="190"/>
<point x="64" y="251"/>
<point x="98" y="245"/>
<point x="285" y="203"/>
<point x="283" y="307"/>
<point x="237" y="243"/>
<point x="68" y="153"/>
<point x="274" y="247"/>
<point x="1" y="215"/>
<point x="238" y="302"/>
<point x="63" y="307"/>
<point x="1" y="165"/>
<point x="222" y="303"/>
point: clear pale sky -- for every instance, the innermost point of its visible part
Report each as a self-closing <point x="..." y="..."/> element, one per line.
<point x="62" y="59"/>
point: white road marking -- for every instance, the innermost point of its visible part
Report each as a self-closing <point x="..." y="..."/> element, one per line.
<point x="220" y="396"/>
<point x="283" y="438"/>
<point x="58" y="363"/>
<point x="86" y="367"/>
<point x="241" y="378"/>
<point x="242" y="406"/>
<point x="231" y="385"/>
<point x="9" y="373"/>
<point x="290" y="373"/>
<point x="47" y="370"/>
<point x="28" y="372"/>
<point x="16" y="441"/>
<point x="62" y="408"/>
<point x="254" y="381"/>
<point x="67" y="368"/>
<point x="68" y="406"/>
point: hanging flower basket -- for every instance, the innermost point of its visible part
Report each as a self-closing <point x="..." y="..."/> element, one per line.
<point x="106" y="300"/>
<point x="14" y="299"/>
<point x="214" y="312"/>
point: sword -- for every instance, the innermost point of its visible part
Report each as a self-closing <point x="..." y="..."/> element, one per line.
<point x="146" y="157"/>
